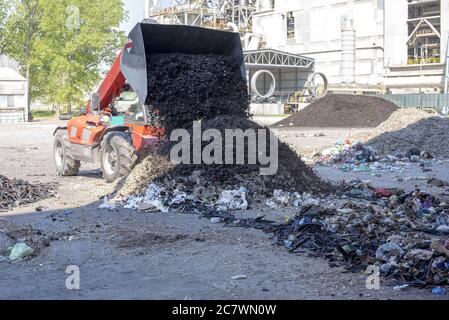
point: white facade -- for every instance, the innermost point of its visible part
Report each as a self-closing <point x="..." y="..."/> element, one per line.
<point x="13" y="96"/>
<point x="382" y="30"/>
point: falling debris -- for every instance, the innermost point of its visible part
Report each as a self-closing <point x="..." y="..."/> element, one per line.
<point x="185" y="87"/>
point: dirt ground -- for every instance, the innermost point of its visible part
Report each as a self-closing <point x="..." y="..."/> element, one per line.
<point x="124" y="254"/>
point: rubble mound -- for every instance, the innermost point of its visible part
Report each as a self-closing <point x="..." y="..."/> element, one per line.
<point x="399" y="119"/>
<point x="15" y="192"/>
<point x="184" y="88"/>
<point x="341" y="111"/>
<point x="428" y="135"/>
<point x="207" y="182"/>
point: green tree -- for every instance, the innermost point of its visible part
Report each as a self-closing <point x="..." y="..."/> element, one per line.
<point x="4" y="10"/>
<point x="21" y="31"/>
<point x="66" y="44"/>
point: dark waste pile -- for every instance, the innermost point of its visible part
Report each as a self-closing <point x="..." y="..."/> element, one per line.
<point x="209" y="184"/>
<point x="185" y="87"/>
<point x="15" y="192"/>
<point x="341" y="111"/>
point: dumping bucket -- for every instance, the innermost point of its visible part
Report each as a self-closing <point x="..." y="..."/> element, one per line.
<point x="148" y="38"/>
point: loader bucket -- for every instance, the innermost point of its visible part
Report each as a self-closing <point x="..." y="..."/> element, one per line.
<point x="148" y="38"/>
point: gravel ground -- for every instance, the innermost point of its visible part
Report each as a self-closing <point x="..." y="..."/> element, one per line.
<point x="124" y="254"/>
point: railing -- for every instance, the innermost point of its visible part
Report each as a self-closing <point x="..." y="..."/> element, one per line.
<point x="436" y="101"/>
<point x="423" y="60"/>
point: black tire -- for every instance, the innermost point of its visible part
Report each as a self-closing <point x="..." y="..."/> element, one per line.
<point x="65" y="162"/>
<point x="117" y="156"/>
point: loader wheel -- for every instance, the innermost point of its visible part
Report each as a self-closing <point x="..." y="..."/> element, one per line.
<point x="118" y="156"/>
<point x="65" y="162"/>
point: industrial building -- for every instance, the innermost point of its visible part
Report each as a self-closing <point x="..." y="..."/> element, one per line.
<point x="363" y="46"/>
<point x="13" y="94"/>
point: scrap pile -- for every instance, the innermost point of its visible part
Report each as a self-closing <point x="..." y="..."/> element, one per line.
<point x="183" y="88"/>
<point x="15" y="192"/>
<point x="405" y="235"/>
<point x="348" y="151"/>
<point x="356" y="156"/>
<point x="341" y="111"/>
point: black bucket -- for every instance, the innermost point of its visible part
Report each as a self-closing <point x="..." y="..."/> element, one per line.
<point x="148" y="38"/>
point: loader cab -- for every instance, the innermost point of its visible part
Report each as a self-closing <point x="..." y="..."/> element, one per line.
<point x="128" y="106"/>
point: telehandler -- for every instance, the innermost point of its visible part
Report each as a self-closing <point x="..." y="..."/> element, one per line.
<point x="119" y="123"/>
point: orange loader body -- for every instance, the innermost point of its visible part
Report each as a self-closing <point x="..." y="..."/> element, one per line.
<point x="118" y="125"/>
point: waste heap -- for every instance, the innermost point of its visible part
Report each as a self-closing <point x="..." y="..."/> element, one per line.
<point x="428" y="135"/>
<point x="15" y="192"/>
<point x="184" y="88"/>
<point x="341" y="111"/>
<point x="404" y="234"/>
<point x="187" y="187"/>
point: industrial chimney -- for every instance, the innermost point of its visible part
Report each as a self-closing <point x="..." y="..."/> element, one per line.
<point x="348" y="48"/>
<point x="147" y="4"/>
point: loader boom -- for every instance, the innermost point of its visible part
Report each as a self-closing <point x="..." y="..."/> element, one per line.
<point x="111" y="86"/>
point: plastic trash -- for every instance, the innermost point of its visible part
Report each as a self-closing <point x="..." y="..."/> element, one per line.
<point x="20" y="251"/>
<point x="107" y="205"/>
<point x="443" y="265"/>
<point x="388" y="250"/>
<point x="439" y="291"/>
<point x="232" y="200"/>
<point x="401" y="287"/>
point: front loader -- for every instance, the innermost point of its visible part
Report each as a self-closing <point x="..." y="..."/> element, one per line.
<point x="119" y="124"/>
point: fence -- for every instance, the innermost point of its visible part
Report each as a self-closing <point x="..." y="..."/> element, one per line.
<point x="437" y="101"/>
<point x="12" y="115"/>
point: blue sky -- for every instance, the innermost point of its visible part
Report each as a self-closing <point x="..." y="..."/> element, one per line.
<point x="135" y="13"/>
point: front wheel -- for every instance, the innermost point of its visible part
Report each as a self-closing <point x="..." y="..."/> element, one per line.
<point x="65" y="162"/>
<point x="118" y="156"/>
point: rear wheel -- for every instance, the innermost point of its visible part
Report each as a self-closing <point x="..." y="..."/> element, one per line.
<point x="65" y="162"/>
<point x="118" y="156"/>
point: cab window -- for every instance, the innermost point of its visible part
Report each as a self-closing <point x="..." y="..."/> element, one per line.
<point x="128" y="106"/>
